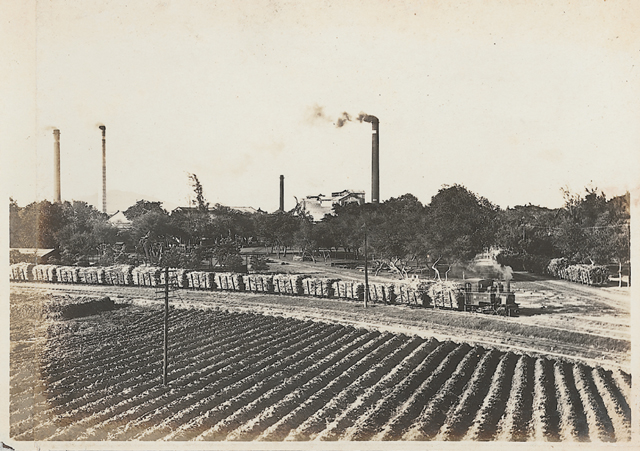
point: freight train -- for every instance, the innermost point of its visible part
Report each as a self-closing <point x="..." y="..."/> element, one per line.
<point x="483" y="295"/>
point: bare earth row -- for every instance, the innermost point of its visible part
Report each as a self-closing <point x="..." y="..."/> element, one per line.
<point x="243" y="376"/>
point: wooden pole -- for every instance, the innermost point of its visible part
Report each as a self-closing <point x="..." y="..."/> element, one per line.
<point x="366" y="271"/>
<point x="166" y="325"/>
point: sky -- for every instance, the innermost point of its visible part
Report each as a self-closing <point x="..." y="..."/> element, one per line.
<point x="514" y="101"/>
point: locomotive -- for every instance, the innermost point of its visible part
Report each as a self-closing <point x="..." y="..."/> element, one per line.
<point x="489" y="296"/>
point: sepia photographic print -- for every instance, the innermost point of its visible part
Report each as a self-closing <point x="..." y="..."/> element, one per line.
<point x="330" y="224"/>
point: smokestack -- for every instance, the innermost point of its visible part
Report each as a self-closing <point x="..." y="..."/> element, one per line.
<point x="282" y="193"/>
<point x="104" y="168"/>
<point x="375" y="158"/>
<point x="56" y="166"/>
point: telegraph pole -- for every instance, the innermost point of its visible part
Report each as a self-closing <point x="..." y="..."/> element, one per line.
<point x="366" y="271"/>
<point x="166" y="325"/>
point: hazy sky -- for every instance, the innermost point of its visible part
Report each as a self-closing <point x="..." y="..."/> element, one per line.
<point x="514" y="102"/>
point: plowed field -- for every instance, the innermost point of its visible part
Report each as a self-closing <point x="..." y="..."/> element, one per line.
<point x="244" y="376"/>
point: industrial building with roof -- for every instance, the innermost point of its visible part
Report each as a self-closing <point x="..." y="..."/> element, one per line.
<point x="319" y="206"/>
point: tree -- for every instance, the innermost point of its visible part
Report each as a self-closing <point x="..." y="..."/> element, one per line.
<point x="15" y="224"/>
<point x="345" y="225"/>
<point x="224" y="250"/>
<point x="277" y="230"/>
<point x="525" y="237"/>
<point x="394" y="228"/>
<point x="459" y="224"/>
<point x="305" y="238"/>
<point x="36" y="225"/>
<point x="86" y="232"/>
<point x="153" y="233"/>
<point x="200" y="201"/>
<point x="141" y="207"/>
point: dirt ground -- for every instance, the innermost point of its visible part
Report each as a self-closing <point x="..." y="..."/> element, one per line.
<point x="557" y="318"/>
<point x="544" y="302"/>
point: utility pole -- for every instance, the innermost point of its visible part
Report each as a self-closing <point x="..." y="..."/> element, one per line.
<point x="366" y="271"/>
<point x="166" y="325"/>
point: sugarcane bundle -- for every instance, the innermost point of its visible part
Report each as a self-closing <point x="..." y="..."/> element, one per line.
<point x="21" y="271"/>
<point x="446" y="294"/>
<point x="262" y="283"/>
<point x="14" y="272"/>
<point x="146" y="276"/>
<point x="572" y="273"/>
<point x="587" y="274"/>
<point x="381" y="292"/>
<point x="177" y="277"/>
<point x="348" y="290"/>
<point x="413" y="292"/>
<point x="91" y="275"/>
<point x="229" y="281"/>
<point x="557" y="266"/>
<point x="118" y="275"/>
<point x="39" y="273"/>
<point x="68" y="274"/>
<point x="201" y="280"/>
<point x="288" y="283"/>
<point x="598" y="274"/>
<point x="45" y="273"/>
<point x="318" y="286"/>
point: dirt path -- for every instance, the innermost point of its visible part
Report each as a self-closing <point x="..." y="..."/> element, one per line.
<point x="614" y="297"/>
<point x="550" y="335"/>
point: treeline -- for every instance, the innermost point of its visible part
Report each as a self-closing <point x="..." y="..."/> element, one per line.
<point x="454" y="227"/>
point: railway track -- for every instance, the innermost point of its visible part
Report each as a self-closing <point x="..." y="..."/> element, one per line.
<point x="421" y="322"/>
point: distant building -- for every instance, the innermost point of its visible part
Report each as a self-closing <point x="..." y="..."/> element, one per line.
<point x="120" y="220"/>
<point x="34" y="255"/>
<point x="250" y="210"/>
<point x="215" y="209"/>
<point x="319" y="206"/>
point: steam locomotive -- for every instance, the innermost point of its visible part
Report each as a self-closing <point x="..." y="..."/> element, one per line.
<point x="489" y="296"/>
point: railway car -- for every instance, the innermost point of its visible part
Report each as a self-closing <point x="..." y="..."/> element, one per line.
<point x="490" y="296"/>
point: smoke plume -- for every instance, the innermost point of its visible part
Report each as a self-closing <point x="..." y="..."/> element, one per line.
<point x="491" y="269"/>
<point x="367" y="118"/>
<point x="317" y="113"/>
<point x="342" y="120"/>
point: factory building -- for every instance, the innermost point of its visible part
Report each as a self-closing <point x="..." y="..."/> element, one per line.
<point x="319" y="206"/>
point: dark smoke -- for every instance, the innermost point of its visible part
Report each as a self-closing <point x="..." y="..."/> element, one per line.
<point x="367" y="118"/>
<point x="362" y="117"/>
<point x="316" y="113"/>
<point x="342" y="120"/>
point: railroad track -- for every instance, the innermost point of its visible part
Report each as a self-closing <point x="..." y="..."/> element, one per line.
<point x="380" y="318"/>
